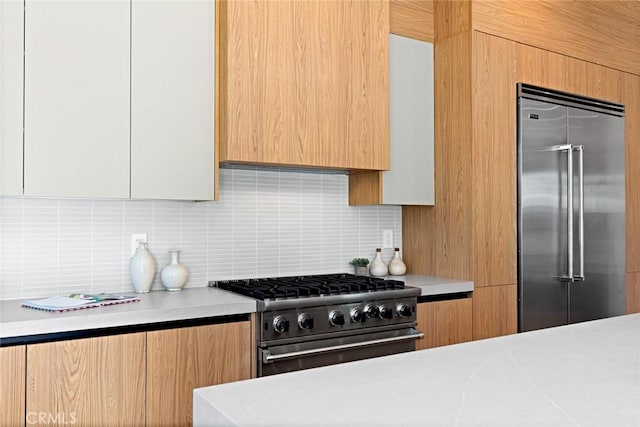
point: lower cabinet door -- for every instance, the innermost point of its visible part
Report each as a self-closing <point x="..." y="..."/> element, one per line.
<point x="179" y="360"/>
<point x="89" y="382"/>
<point x="12" y="374"/>
<point x="445" y="322"/>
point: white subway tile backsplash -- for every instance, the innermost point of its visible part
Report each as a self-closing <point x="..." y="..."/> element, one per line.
<point x="267" y="223"/>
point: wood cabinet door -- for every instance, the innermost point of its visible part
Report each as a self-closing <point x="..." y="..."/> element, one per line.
<point x="12" y="372"/>
<point x="172" y="99"/>
<point x="76" y="98"/>
<point x="445" y="322"/>
<point x="180" y="360"/>
<point x="92" y="381"/>
<point x="305" y="83"/>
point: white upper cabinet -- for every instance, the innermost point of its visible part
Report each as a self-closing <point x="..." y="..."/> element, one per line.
<point x="172" y="99"/>
<point x="410" y="178"/>
<point x="76" y="137"/>
<point x="11" y="89"/>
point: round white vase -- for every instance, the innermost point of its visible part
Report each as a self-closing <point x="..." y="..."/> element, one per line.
<point x="141" y="269"/>
<point x="397" y="267"/>
<point x="174" y="275"/>
<point x="378" y="268"/>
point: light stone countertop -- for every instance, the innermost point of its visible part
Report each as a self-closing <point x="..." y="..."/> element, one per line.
<point x="154" y="307"/>
<point x="161" y="306"/>
<point x="586" y="374"/>
<point x="435" y="285"/>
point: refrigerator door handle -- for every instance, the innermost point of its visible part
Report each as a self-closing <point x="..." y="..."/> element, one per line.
<point x="569" y="149"/>
<point x="580" y="150"/>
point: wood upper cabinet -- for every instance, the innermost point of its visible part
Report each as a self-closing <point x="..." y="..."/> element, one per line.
<point x="92" y="381"/>
<point x="410" y="178"/>
<point x="76" y="99"/>
<point x="12" y="374"/>
<point x="444" y="322"/>
<point x="305" y="83"/>
<point x="179" y="360"/>
<point x="172" y="99"/>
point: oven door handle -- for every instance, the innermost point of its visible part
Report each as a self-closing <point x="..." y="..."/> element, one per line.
<point x="267" y="357"/>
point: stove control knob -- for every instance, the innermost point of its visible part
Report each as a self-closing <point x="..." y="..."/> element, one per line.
<point x="280" y="324"/>
<point x="336" y="318"/>
<point x="358" y="315"/>
<point x="305" y="321"/>
<point x="385" y="312"/>
<point x="403" y="310"/>
<point x="371" y="311"/>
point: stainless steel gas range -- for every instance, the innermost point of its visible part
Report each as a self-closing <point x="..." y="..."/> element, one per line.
<point x="310" y="321"/>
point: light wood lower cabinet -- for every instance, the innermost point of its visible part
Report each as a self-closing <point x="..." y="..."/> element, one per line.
<point x="444" y="322"/>
<point x="12" y="374"/>
<point x="91" y="381"/>
<point x="179" y="360"/>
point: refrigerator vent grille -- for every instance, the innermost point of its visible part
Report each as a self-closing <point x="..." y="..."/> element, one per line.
<point x="567" y="99"/>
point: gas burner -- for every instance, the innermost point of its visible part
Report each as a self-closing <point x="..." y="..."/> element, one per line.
<point x="307" y="286"/>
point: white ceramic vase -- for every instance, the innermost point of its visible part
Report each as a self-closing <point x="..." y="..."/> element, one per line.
<point x="141" y="269"/>
<point x="378" y="268"/>
<point x="174" y="275"/>
<point x="397" y="267"/>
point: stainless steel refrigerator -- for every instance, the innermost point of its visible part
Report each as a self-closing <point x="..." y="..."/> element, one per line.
<point x="571" y="209"/>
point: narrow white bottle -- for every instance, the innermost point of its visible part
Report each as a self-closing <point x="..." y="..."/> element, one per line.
<point x="397" y="267"/>
<point x="142" y="268"/>
<point x="378" y="268"/>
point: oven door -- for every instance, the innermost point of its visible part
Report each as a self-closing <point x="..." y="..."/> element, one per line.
<point x="312" y="354"/>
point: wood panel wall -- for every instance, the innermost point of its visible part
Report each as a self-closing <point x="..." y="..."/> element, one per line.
<point x="630" y="96"/>
<point x="449" y="221"/>
<point x="487" y="180"/>
<point x="602" y="32"/>
<point x="495" y="311"/>
<point x="12" y="380"/>
<point x="412" y="18"/>
<point x="451" y="17"/>
<point x="633" y="292"/>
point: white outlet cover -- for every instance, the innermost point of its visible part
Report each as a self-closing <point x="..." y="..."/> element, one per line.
<point x="387" y="239"/>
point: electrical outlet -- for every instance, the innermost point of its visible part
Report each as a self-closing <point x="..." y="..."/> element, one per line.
<point x="134" y="241"/>
<point x="387" y="239"/>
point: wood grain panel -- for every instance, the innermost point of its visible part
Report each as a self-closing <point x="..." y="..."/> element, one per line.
<point x="453" y="151"/>
<point x="451" y="17"/>
<point x="494" y="162"/>
<point x="494" y="311"/>
<point x="94" y="381"/>
<point x="12" y="383"/>
<point x="412" y="18"/>
<point x="603" y="32"/>
<point x="179" y="360"/>
<point x="630" y="94"/>
<point x="444" y="322"/>
<point x="307" y="84"/>
<point x="418" y="242"/>
<point x="633" y="292"/>
<point x="365" y="188"/>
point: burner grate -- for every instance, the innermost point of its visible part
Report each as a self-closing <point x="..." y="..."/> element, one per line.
<point x="307" y="286"/>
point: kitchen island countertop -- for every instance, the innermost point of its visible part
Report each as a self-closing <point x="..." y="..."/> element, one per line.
<point x="585" y="374"/>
